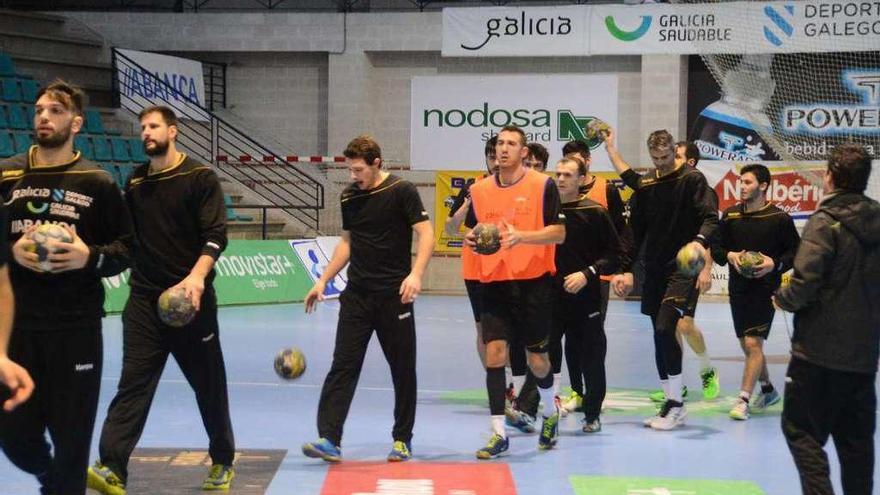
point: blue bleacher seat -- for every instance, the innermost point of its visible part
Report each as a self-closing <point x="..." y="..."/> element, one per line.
<point x="83" y="145"/>
<point x="11" y="91"/>
<point x="4" y="121"/>
<point x="7" y="68"/>
<point x="7" y="147"/>
<point x="17" y="118"/>
<point x="28" y="90"/>
<point x="29" y="111"/>
<point x="231" y="214"/>
<point x="102" y="149"/>
<point x="120" y="149"/>
<point x="138" y="154"/>
<point x="94" y="124"/>
<point x="23" y="141"/>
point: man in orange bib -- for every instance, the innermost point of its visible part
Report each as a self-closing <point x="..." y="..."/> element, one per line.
<point x="517" y="279"/>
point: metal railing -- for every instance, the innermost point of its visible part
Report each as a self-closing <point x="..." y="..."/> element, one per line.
<point x="264" y="221"/>
<point x="210" y="139"/>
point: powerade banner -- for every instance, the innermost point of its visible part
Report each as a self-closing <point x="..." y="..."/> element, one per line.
<point x="248" y="272"/>
<point x="704" y="28"/>
<point x="181" y="79"/>
<point x="448" y="185"/>
<point x="453" y="116"/>
<point x="820" y="100"/>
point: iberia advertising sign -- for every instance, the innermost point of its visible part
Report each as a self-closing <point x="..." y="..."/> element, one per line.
<point x="797" y="191"/>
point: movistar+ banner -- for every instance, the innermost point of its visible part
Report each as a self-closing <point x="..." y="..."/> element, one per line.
<point x="729" y="27"/>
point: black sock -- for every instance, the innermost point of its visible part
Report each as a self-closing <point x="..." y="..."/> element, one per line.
<point x="495" y="388"/>
<point x="766" y="389"/>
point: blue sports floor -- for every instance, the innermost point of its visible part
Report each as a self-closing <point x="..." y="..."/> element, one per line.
<point x="452" y="419"/>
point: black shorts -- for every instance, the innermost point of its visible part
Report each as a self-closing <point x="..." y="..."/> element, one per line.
<point x="475" y="295"/>
<point x="752" y="314"/>
<point x="520" y="310"/>
<point x="672" y="288"/>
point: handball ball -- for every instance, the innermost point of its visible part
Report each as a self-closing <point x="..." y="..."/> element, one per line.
<point x="597" y="129"/>
<point x="290" y="363"/>
<point x="41" y="235"/>
<point x="690" y="260"/>
<point x="174" y="308"/>
<point x="488" y="238"/>
<point x="749" y="263"/>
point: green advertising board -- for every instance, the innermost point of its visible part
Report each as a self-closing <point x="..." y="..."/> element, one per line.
<point x="248" y="272"/>
<point x="607" y="485"/>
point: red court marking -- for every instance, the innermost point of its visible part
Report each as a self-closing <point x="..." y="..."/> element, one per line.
<point x="463" y="478"/>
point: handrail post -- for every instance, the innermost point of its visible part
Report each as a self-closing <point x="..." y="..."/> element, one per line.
<point x="265" y="224"/>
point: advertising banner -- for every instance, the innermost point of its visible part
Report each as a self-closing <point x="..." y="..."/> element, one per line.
<point x="453" y="116"/>
<point x="184" y="84"/>
<point x="248" y="272"/>
<point x="515" y="32"/>
<point x="449" y="184"/>
<point x="315" y="260"/>
<point x="662" y="28"/>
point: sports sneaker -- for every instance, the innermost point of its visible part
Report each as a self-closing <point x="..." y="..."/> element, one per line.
<point x="711" y="386"/>
<point x="497" y="446"/>
<point x="740" y="410"/>
<point x="101" y="479"/>
<point x="400" y="451"/>
<point x="594" y="426"/>
<point x="672" y="414"/>
<point x="572" y="403"/>
<point x="659" y="397"/>
<point x="219" y="477"/>
<point x="515" y="418"/>
<point x="322" y="449"/>
<point x="549" y="432"/>
<point x="763" y="401"/>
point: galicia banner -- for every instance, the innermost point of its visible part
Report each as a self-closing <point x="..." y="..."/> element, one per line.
<point x="717" y="27"/>
<point x="162" y="80"/>
<point x="515" y="32"/>
<point x="453" y="116"/>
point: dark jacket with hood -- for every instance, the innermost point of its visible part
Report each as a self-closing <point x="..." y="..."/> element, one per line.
<point x="835" y="287"/>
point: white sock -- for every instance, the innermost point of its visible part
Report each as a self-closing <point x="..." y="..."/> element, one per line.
<point x="498" y="426"/>
<point x="557" y="381"/>
<point x="705" y="362"/>
<point x="518" y="384"/>
<point x="664" y="385"/>
<point x="547" y="399"/>
<point x="674" y="385"/>
<point x="508" y="376"/>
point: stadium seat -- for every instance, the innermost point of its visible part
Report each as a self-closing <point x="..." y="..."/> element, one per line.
<point x="17" y="118"/>
<point x="4" y="121"/>
<point x="120" y="149"/>
<point x="28" y="90"/>
<point x="7" y="147"/>
<point x="231" y="214"/>
<point x="102" y="149"/>
<point x="11" y="91"/>
<point x="23" y="141"/>
<point x="138" y="154"/>
<point x="94" y="124"/>
<point x="82" y="144"/>
<point x="29" y="112"/>
<point x="7" y="68"/>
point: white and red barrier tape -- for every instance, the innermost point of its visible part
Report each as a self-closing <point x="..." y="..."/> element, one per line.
<point x="289" y="159"/>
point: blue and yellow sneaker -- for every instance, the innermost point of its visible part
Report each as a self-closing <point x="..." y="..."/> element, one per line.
<point x="497" y="446"/>
<point x="322" y="449"/>
<point x="763" y="401"/>
<point x="219" y="477"/>
<point x="549" y="432"/>
<point x="101" y="479"/>
<point x="400" y="451"/>
<point x="515" y="418"/>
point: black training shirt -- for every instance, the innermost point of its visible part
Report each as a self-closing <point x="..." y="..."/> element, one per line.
<point x="4" y="237"/>
<point x="178" y="215"/>
<point x="770" y="231"/>
<point x="379" y="222"/>
<point x="591" y="245"/>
